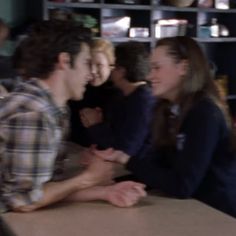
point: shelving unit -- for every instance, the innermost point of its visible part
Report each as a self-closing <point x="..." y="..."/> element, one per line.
<point x="150" y="11"/>
<point x="220" y="50"/>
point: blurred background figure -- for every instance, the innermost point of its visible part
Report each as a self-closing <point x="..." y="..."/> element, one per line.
<point x="4" y="32"/>
<point x="100" y="91"/>
<point x="7" y="73"/>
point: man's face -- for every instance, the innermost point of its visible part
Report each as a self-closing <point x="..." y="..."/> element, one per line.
<point x="79" y="74"/>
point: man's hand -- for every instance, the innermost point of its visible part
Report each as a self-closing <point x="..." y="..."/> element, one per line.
<point x="85" y="157"/>
<point x="99" y="172"/>
<point x="125" y="194"/>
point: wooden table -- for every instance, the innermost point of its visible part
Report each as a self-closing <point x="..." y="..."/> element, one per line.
<point x="154" y="216"/>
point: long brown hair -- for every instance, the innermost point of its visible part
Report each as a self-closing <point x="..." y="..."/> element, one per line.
<point x="197" y="83"/>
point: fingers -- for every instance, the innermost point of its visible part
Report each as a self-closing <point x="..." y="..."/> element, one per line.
<point x="135" y="187"/>
<point x="84" y="117"/>
<point x="100" y="170"/>
<point x="134" y="184"/>
<point x="110" y="154"/>
<point x="140" y="190"/>
<point x="126" y="199"/>
<point x="103" y="153"/>
<point x="91" y="116"/>
<point x="98" y="109"/>
<point x="85" y="159"/>
<point x="126" y="194"/>
<point x="84" y="120"/>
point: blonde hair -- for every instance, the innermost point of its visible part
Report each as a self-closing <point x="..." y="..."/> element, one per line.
<point x="105" y="47"/>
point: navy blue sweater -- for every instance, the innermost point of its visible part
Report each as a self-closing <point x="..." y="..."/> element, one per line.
<point x="127" y="122"/>
<point x="202" y="166"/>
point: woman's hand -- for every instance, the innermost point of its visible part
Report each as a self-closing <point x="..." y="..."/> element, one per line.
<point x="113" y="155"/>
<point x="85" y="157"/>
<point x="91" y="116"/>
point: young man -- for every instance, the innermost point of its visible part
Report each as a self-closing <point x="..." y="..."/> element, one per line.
<point x="55" y="57"/>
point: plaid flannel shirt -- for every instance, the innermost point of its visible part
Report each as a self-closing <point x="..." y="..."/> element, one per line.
<point x="30" y="133"/>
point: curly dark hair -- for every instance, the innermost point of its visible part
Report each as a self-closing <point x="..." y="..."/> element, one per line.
<point x="134" y="57"/>
<point x="37" y="54"/>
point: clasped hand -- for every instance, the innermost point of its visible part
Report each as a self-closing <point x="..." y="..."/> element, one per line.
<point x="91" y="116"/>
<point x="109" y="154"/>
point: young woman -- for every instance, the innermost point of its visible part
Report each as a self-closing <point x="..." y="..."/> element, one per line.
<point x="100" y="91"/>
<point x="192" y="152"/>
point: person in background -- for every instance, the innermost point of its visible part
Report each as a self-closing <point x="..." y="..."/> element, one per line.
<point x="192" y="153"/>
<point x="100" y="91"/>
<point x="125" y="125"/>
<point x="33" y="120"/>
<point x="4" y="32"/>
<point x="7" y="73"/>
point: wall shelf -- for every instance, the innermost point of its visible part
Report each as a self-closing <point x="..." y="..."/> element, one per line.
<point x="221" y="50"/>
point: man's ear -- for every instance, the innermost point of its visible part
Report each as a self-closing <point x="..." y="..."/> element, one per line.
<point x="64" y="60"/>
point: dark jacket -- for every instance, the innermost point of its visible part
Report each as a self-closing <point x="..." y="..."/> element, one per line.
<point x="202" y="165"/>
<point x="102" y="96"/>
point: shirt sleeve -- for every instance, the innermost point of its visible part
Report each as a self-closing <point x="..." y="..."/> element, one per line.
<point x="31" y="141"/>
<point x="200" y="136"/>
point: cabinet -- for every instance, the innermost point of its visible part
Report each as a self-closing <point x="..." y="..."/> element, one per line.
<point x="220" y="50"/>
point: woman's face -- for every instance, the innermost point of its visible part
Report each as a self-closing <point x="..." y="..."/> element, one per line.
<point x="100" y="69"/>
<point x="166" y="75"/>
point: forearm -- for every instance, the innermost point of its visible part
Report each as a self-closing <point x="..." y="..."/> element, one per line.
<point x="56" y="191"/>
<point x="89" y="194"/>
